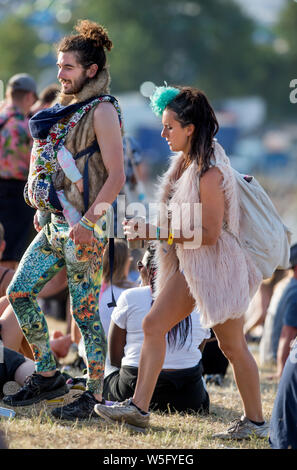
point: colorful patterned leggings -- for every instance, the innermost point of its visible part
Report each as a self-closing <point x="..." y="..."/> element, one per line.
<point x="49" y="252"/>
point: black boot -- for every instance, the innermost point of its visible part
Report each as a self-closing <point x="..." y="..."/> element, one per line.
<point x="82" y="408"/>
<point x="37" y="388"/>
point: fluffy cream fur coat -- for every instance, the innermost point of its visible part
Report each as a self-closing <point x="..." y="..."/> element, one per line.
<point x="221" y="278"/>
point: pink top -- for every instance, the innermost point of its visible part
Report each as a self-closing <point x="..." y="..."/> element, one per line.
<point x="15" y="144"/>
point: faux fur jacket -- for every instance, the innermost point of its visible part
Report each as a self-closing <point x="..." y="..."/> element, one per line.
<point x="79" y="138"/>
<point x="221" y="278"/>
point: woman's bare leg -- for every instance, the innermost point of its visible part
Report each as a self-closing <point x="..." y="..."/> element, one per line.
<point x="69" y="319"/>
<point x="60" y="343"/>
<point x="11" y="332"/>
<point x="75" y="333"/>
<point x="3" y="304"/>
<point x="172" y="305"/>
<point x="232" y="342"/>
<point x="23" y="371"/>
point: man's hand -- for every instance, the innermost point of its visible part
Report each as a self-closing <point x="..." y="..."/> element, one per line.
<point x="36" y="223"/>
<point x="81" y="235"/>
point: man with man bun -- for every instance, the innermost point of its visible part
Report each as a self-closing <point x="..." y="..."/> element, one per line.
<point x="85" y="124"/>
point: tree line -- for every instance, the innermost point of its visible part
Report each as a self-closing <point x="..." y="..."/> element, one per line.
<point x="210" y="44"/>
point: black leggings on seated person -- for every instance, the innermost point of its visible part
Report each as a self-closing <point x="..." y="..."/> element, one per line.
<point x="10" y="361"/>
<point x="180" y="390"/>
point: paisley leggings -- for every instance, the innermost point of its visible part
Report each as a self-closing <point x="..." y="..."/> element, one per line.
<point x="49" y="252"/>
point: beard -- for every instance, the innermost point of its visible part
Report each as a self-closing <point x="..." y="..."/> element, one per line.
<point x="78" y="85"/>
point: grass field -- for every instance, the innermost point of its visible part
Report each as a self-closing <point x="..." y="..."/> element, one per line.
<point x="34" y="428"/>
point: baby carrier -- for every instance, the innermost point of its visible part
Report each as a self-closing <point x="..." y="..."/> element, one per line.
<point x="49" y="129"/>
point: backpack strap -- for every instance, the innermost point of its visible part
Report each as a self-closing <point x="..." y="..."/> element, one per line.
<point x="94" y="147"/>
<point x="111" y="262"/>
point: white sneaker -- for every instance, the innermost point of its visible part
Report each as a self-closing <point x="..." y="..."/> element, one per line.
<point x="124" y="412"/>
<point x="243" y="428"/>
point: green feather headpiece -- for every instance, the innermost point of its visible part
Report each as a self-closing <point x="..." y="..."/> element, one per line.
<point x="162" y="97"/>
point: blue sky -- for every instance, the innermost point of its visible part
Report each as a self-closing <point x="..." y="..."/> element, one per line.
<point x="264" y="11"/>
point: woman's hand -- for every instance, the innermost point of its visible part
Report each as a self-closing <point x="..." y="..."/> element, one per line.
<point x="136" y="228"/>
<point x="81" y="235"/>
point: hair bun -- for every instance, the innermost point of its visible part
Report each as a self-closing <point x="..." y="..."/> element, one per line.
<point x="95" y="32"/>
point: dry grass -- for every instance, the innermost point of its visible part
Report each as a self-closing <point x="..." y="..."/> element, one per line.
<point x="34" y="428"/>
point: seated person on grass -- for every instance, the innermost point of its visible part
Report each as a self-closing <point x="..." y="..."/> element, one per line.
<point x="14" y="367"/>
<point x="180" y="385"/>
<point x="289" y="321"/>
<point x="283" y="424"/>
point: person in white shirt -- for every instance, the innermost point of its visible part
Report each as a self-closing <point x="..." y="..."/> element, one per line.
<point x="180" y="385"/>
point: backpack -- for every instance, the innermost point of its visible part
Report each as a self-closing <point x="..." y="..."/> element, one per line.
<point x="262" y="232"/>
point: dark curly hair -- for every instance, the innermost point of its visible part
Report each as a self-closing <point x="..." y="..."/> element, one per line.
<point x="88" y="44"/>
<point x="192" y="107"/>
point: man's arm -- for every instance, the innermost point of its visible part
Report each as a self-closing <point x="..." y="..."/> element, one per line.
<point x="108" y="133"/>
